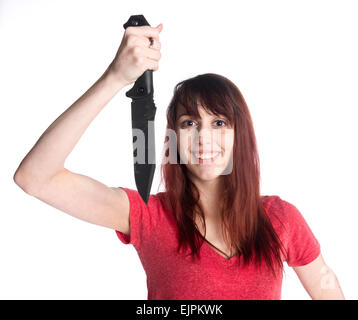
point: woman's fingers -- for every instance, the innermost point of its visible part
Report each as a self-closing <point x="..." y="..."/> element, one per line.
<point x="152" y="64"/>
<point x="145" y="31"/>
<point x="137" y="53"/>
<point x="155" y="44"/>
<point x="152" y="53"/>
<point x="140" y="41"/>
<point x="141" y="36"/>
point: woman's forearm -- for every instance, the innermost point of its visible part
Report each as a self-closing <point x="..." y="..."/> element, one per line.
<point x="48" y="155"/>
<point x="330" y="288"/>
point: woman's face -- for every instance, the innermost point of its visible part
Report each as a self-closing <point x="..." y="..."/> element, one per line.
<point x="205" y="144"/>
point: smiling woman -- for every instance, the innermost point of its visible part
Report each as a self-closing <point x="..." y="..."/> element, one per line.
<point x="213" y="143"/>
<point x="211" y="234"/>
<point x="224" y="197"/>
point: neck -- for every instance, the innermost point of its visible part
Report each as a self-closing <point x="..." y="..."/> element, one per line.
<point x="210" y="196"/>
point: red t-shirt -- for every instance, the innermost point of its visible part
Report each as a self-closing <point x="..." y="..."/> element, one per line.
<point x="173" y="276"/>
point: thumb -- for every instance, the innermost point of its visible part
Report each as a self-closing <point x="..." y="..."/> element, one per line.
<point x="159" y="27"/>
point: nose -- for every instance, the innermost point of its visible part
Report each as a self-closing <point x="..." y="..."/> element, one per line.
<point x="205" y="138"/>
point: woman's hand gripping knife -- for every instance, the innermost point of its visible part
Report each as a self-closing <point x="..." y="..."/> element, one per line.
<point x="42" y="173"/>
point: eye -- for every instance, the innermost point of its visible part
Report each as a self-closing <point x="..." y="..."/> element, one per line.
<point x="222" y="123"/>
<point x="187" y="123"/>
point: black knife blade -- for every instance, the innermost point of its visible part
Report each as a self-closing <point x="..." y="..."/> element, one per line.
<point x="143" y="115"/>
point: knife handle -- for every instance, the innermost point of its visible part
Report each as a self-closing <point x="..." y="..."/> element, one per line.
<point x="143" y="86"/>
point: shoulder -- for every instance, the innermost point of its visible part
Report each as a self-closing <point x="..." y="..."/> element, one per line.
<point x="285" y="216"/>
<point x="282" y="213"/>
<point x="299" y="241"/>
<point x="152" y="209"/>
<point x="273" y="206"/>
<point x="135" y="198"/>
<point x="278" y="208"/>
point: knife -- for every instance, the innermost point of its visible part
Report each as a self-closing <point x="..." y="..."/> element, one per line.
<point x="143" y="114"/>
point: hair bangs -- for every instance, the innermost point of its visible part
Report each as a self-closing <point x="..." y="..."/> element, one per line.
<point x="211" y="93"/>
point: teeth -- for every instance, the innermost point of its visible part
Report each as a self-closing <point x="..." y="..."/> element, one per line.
<point x="206" y="155"/>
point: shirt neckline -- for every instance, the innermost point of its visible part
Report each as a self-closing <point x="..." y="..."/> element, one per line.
<point x="217" y="255"/>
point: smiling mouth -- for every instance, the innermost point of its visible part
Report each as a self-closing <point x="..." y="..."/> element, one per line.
<point x="205" y="158"/>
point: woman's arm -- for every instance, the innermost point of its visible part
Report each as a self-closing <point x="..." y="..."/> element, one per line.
<point x="48" y="155"/>
<point x="319" y="280"/>
<point x="42" y="174"/>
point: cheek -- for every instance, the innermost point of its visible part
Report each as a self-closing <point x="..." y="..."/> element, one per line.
<point x="184" y="139"/>
<point x="227" y="140"/>
<point x="184" y="146"/>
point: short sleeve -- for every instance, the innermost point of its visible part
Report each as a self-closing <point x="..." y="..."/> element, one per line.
<point x="140" y="219"/>
<point x="302" y="245"/>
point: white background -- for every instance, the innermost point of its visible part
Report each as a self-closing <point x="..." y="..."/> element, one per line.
<point x="295" y="62"/>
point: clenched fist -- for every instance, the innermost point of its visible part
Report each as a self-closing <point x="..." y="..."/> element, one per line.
<point x="136" y="53"/>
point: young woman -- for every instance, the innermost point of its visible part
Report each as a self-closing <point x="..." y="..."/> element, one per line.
<point x="210" y="235"/>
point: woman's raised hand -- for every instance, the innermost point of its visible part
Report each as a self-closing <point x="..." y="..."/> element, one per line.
<point x="136" y="54"/>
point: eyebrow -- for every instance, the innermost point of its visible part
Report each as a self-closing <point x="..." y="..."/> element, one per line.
<point x="183" y="114"/>
<point x="186" y="114"/>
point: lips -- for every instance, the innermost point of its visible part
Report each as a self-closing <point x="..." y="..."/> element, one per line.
<point x="206" y="157"/>
<point x="205" y="151"/>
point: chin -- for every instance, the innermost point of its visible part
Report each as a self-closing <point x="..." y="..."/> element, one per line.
<point x="206" y="174"/>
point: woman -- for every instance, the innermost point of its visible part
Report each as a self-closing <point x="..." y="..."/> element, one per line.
<point x="210" y="235"/>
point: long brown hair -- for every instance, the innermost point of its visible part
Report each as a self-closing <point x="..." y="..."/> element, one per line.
<point x="245" y="223"/>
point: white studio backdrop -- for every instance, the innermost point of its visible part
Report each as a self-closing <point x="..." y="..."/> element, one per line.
<point x="295" y="62"/>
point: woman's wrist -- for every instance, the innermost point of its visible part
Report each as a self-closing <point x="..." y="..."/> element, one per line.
<point x="112" y="80"/>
